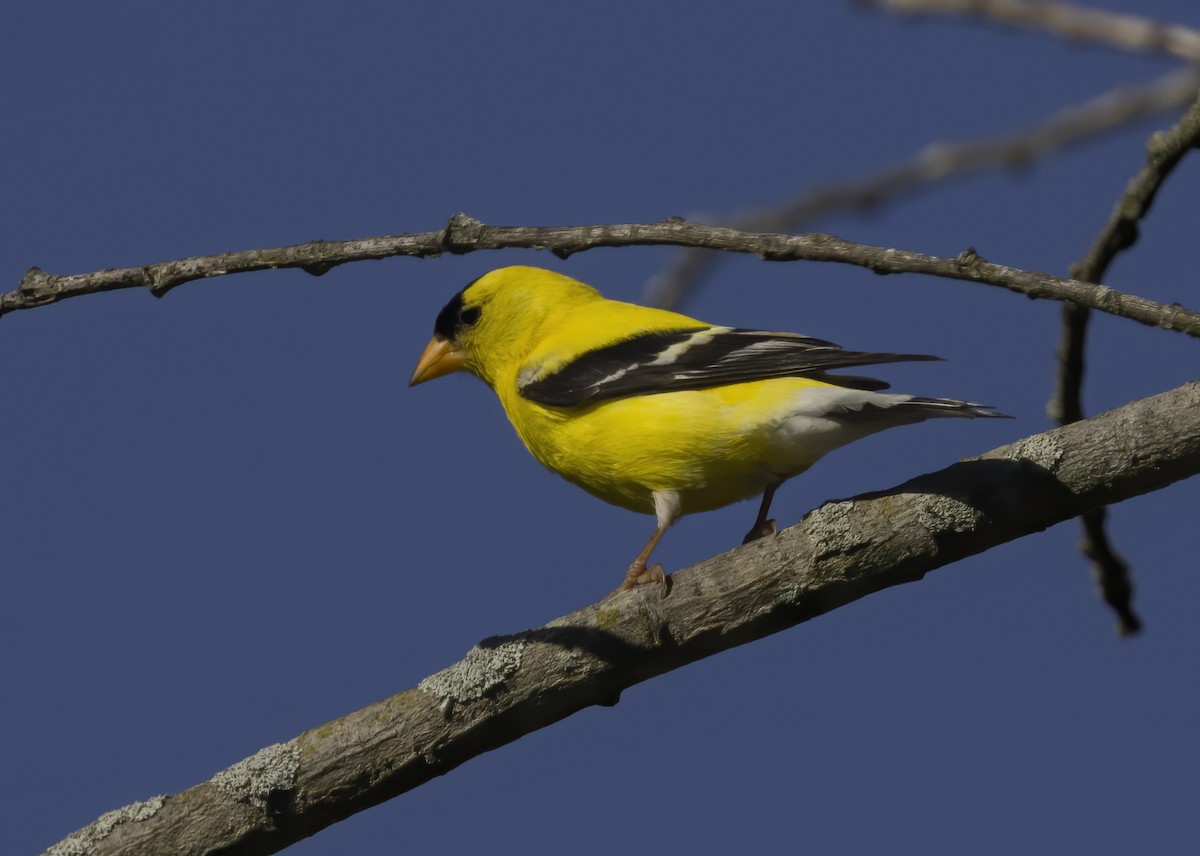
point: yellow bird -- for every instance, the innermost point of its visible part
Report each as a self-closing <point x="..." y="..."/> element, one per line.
<point x="655" y="411"/>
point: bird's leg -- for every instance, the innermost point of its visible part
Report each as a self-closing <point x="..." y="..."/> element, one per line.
<point x="638" y="573"/>
<point x="762" y="526"/>
<point x="666" y="509"/>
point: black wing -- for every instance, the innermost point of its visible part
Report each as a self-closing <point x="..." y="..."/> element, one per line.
<point x="699" y="358"/>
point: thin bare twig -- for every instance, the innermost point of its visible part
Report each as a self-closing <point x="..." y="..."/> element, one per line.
<point x="938" y="163"/>
<point x="1065" y="20"/>
<point x="1164" y="151"/>
<point x="509" y="686"/>
<point x="464" y="234"/>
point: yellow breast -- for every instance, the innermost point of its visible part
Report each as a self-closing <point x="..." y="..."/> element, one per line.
<point x="714" y="446"/>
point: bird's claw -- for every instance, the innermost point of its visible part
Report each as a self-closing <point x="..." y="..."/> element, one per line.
<point x="762" y="530"/>
<point x="642" y="576"/>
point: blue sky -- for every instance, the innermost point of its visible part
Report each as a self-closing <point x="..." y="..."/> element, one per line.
<point x="226" y="519"/>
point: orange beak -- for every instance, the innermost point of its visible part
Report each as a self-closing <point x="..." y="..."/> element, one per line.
<point x="440" y="357"/>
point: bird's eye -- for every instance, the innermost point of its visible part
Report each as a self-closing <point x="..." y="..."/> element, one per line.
<point x="468" y="315"/>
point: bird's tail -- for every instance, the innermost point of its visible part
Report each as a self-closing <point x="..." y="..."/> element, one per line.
<point x="932" y="408"/>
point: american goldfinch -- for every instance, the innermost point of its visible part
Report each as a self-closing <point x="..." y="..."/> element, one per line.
<point x="657" y="412"/>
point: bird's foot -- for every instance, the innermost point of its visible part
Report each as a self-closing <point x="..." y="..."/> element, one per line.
<point x="761" y="530"/>
<point x="640" y="575"/>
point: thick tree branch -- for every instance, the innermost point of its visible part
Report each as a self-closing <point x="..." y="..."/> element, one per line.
<point x="512" y="685"/>
<point x="938" y="163"/>
<point x="1065" y="20"/>
<point x="1164" y="151"/>
<point x="464" y="234"/>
